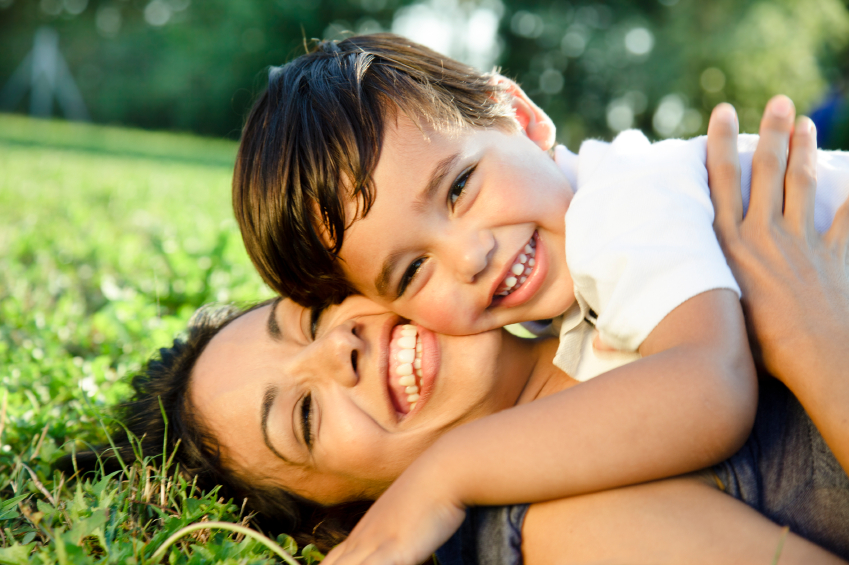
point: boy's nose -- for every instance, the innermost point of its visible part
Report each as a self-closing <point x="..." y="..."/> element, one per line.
<point x="335" y="355"/>
<point x="471" y="255"/>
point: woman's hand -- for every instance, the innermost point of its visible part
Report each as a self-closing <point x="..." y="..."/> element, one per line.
<point x="794" y="280"/>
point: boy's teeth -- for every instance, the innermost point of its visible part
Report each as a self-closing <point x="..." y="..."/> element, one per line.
<point x="519" y="271"/>
<point x="410" y="358"/>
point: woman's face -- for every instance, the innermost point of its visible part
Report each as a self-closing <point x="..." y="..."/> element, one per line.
<point x="326" y="417"/>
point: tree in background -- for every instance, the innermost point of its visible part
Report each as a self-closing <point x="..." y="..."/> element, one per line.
<point x="596" y="67"/>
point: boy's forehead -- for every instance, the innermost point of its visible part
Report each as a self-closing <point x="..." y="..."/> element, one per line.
<point x="415" y="145"/>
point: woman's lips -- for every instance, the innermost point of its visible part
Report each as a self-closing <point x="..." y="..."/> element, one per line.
<point x="405" y="367"/>
<point x="413" y="359"/>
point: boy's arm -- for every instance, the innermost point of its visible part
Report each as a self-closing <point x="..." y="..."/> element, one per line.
<point x="687" y="405"/>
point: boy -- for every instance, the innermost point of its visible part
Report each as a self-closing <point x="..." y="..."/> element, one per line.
<point x="470" y="202"/>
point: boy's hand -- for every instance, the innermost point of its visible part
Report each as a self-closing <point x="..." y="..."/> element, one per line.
<point x="410" y="521"/>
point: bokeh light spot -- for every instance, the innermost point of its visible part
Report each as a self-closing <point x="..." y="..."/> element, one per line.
<point x="75" y="7"/>
<point x="107" y="20"/>
<point x="669" y="114"/>
<point x="526" y="24"/>
<point x="51" y="7"/>
<point x="620" y="115"/>
<point x="712" y="79"/>
<point x="551" y="81"/>
<point x="574" y="41"/>
<point x="157" y="13"/>
<point x="639" y="41"/>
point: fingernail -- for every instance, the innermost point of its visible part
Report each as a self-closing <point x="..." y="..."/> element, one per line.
<point x="780" y="106"/>
<point x="725" y="113"/>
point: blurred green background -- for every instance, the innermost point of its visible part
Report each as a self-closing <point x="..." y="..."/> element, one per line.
<point x="596" y="67"/>
<point x="110" y="238"/>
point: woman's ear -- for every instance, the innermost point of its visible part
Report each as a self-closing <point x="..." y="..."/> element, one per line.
<point x="534" y="122"/>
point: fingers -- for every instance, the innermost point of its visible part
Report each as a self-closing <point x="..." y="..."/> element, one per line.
<point x="838" y="234"/>
<point x="723" y="165"/>
<point x="801" y="179"/>
<point x="769" y="162"/>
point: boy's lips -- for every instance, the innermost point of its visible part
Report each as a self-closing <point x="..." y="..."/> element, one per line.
<point x="519" y="269"/>
<point x="523" y="291"/>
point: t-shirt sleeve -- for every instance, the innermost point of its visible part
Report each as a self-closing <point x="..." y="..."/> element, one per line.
<point x="639" y="234"/>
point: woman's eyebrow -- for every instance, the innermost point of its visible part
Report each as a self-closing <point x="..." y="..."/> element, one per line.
<point x="267" y="400"/>
<point x="271" y="325"/>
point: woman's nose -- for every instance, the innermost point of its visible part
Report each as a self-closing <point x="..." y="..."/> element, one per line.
<point x="335" y="354"/>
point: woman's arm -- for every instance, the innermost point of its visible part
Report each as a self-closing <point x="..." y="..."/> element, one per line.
<point x="794" y="280"/>
<point x="682" y="520"/>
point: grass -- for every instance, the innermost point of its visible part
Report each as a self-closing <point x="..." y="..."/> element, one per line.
<point x="109" y="240"/>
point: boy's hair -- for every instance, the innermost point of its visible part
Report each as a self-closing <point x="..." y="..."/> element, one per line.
<point x="163" y="387"/>
<point x="313" y="139"/>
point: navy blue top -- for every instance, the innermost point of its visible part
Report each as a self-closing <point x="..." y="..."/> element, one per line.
<point x="785" y="471"/>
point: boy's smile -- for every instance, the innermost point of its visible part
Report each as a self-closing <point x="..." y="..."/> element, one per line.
<point x="466" y="232"/>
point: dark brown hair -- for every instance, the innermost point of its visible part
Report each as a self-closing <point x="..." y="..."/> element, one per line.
<point x="197" y="453"/>
<point x="312" y="141"/>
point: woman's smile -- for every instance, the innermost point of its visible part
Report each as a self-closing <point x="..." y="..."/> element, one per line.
<point x="341" y="415"/>
<point x="413" y="366"/>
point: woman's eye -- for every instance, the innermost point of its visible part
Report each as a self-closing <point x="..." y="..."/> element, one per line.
<point x="315" y="318"/>
<point x="306" y="420"/>
<point x="459" y="187"/>
<point x="409" y="275"/>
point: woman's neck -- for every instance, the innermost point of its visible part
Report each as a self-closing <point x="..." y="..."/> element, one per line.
<point x="534" y="359"/>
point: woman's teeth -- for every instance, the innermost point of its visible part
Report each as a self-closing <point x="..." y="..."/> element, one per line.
<point x="520" y="270"/>
<point x="409" y="356"/>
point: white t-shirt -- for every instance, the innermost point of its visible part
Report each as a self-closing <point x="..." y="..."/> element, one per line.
<point x="640" y="239"/>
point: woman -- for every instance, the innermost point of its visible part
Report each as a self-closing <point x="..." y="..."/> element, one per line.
<point x="316" y="418"/>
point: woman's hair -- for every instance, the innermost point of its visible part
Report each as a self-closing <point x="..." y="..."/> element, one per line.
<point x="312" y="142"/>
<point x="162" y="388"/>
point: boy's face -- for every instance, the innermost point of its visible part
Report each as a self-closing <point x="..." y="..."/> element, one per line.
<point x="466" y="233"/>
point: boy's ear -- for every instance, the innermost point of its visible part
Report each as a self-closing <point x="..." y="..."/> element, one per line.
<point x="534" y="122"/>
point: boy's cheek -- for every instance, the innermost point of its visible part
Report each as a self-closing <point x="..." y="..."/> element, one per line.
<point x="442" y="317"/>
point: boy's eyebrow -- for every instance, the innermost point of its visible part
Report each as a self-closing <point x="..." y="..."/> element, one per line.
<point x="440" y="171"/>
<point x="381" y="281"/>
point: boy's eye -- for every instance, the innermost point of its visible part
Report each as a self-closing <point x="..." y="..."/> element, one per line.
<point x="306" y="420"/>
<point x="410" y="274"/>
<point x="315" y="318"/>
<point x="458" y="188"/>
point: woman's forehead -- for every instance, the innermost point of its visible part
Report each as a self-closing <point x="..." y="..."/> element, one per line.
<point x="229" y="356"/>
